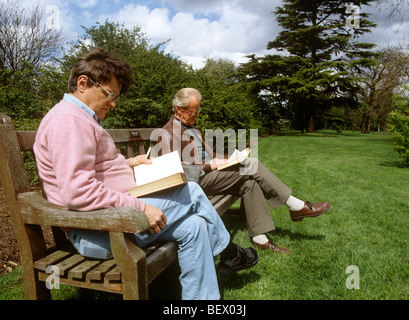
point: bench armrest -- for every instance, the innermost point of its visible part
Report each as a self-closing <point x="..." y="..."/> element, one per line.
<point x="36" y="210"/>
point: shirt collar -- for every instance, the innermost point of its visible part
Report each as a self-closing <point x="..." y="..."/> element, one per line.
<point x="184" y="126"/>
<point x="70" y="98"/>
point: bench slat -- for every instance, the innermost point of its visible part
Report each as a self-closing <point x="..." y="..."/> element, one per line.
<point x="223" y="202"/>
<point x="114" y="274"/>
<point x="51" y="259"/>
<point x="98" y="273"/>
<point x="160" y="259"/>
<point x="80" y="271"/>
<point x="71" y="262"/>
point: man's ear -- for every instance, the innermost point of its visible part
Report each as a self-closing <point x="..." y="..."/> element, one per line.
<point x="82" y="83"/>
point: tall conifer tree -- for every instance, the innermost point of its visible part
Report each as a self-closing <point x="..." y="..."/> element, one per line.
<point x="320" y="45"/>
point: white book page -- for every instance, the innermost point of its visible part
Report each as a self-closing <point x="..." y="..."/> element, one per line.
<point x="161" y="167"/>
<point x="237" y="155"/>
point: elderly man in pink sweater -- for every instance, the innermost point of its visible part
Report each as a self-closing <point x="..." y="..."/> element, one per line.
<point x="80" y="169"/>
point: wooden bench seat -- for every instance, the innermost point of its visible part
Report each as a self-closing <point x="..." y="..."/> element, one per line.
<point x="102" y="275"/>
<point x="132" y="268"/>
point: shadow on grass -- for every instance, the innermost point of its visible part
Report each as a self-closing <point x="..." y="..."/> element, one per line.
<point x="395" y="164"/>
<point x="278" y="232"/>
<point x="167" y="286"/>
<point x="235" y="221"/>
<point x="321" y="133"/>
<point x="238" y="280"/>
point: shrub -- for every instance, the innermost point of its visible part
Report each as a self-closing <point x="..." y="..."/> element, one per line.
<point x="399" y="126"/>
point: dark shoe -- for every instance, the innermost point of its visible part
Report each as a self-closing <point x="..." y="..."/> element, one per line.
<point x="310" y="210"/>
<point x="245" y="258"/>
<point x="270" y="245"/>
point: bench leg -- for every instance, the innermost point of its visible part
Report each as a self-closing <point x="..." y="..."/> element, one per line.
<point x="132" y="262"/>
<point x="32" y="247"/>
<point x="34" y="289"/>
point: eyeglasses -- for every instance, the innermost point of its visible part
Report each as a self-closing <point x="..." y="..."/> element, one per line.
<point x="192" y="113"/>
<point x="111" y="96"/>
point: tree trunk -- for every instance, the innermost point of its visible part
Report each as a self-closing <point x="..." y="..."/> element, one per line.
<point x="366" y="121"/>
<point x="311" y="125"/>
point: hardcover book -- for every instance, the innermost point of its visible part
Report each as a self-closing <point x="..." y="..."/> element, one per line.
<point x="165" y="172"/>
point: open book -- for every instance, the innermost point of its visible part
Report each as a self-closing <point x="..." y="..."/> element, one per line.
<point x="165" y="172"/>
<point x="236" y="157"/>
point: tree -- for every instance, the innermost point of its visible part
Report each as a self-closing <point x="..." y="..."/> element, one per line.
<point x="378" y="84"/>
<point x="226" y="103"/>
<point x="28" y="94"/>
<point x="29" y="83"/>
<point x="395" y="7"/>
<point x="319" y="45"/>
<point x="26" y="36"/>
<point x="158" y="76"/>
<point x="399" y="126"/>
<point x="219" y="70"/>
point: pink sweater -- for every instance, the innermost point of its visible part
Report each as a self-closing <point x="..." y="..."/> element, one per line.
<point x="78" y="163"/>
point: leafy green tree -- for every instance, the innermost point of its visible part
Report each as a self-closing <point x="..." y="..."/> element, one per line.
<point x="226" y="102"/>
<point x="399" y="126"/>
<point x="27" y="94"/>
<point x="319" y="48"/>
<point x="29" y="79"/>
<point x="158" y="76"/>
<point x="377" y="84"/>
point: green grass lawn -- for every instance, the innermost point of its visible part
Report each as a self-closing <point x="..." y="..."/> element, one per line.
<point x="367" y="226"/>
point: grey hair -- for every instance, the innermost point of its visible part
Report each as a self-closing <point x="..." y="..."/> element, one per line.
<point x="181" y="98"/>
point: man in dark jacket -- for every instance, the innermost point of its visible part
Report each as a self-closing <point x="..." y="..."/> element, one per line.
<point x="254" y="185"/>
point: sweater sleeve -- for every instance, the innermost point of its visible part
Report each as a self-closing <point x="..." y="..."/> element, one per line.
<point x="72" y="146"/>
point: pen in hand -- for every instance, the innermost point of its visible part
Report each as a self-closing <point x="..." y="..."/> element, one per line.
<point x="147" y="154"/>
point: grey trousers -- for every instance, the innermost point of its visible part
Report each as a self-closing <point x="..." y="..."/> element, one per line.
<point x="254" y="189"/>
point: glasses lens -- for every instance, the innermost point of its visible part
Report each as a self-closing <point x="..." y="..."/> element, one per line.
<point x="112" y="97"/>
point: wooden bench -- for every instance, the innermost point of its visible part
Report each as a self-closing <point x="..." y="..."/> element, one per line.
<point x="132" y="268"/>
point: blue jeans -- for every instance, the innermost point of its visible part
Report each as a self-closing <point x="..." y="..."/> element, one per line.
<point x="192" y="222"/>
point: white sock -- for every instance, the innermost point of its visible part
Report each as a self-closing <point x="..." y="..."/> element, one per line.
<point x="260" y="239"/>
<point x="294" y="204"/>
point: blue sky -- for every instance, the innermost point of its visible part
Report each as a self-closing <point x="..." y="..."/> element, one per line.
<point x="198" y="29"/>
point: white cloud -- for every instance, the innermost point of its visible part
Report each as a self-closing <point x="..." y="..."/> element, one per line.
<point x="155" y="23"/>
<point x="236" y="32"/>
<point x="195" y="6"/>
<point x="58" y="14"/>
<point x="201" y="29"/>
<point x="85" y="3"/>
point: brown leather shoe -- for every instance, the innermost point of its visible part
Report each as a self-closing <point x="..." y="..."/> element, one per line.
<point x="270" y="245"/>
<point x="310" y="210"/>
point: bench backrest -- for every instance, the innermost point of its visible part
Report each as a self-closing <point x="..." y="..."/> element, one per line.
<point x="135" y="140"/>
